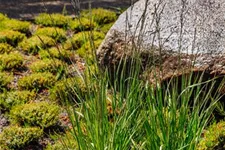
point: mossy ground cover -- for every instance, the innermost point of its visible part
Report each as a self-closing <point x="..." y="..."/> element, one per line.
<point x="35" y="62"/>
<point x="59" y="48"/>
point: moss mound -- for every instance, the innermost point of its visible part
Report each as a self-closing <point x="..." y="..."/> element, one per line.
<point x="47" y="65"/>
<point x="100" y="15"/>
<point x="40" y="114"/>
<point x="57" y="20"/>
<point x="5" y="48"/>
<point x="37" y="81"/>
<point x="15" y="137"/>
<point x="11" y="37"/>
<point x="56" y="33"/>
<point x="13" y="98"/>
<point x="16" y="25"/>
<point x="82" y="24"/>
<point x="35" y="43"/>
<point x="214" y="137"/>
<point x="5" y="80"/>
<point x="11" y="61"/>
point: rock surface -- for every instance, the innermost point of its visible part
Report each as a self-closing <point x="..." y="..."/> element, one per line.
<point x="179" y="33"/>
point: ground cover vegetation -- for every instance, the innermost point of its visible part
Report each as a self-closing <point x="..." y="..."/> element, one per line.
<point x="54" y="96"/>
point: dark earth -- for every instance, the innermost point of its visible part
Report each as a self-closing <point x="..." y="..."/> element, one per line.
<point x="27" y="9"/>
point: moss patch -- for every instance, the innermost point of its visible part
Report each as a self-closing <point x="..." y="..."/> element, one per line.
<point x="5" y="80"/>
<point x="13" y="98"/>
<point x="15" y="137"/>
<point x="11" y="37"/>
<point x="35" y="43"/>
<point x="16" y="25"/>
<point x="5" y="48"/>
<point x="56" y="33"/>
<point x="82" y="24"/>
<point x="11" y="61"/>
<point x="37" y="81"/>
<point x="58" y="20"/>
<point x="40" y="114"/>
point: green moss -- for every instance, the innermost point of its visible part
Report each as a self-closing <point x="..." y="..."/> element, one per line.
<point x="11" y="37"/>
<point x="214" y="137"/>
<point x="16" y="25"/>
<point x="61" y="141"/>
<point x="15" y="137"/>
<point x="5" y="48"/>
<point x="58" y="20"/>
<point x="53" y="32"/>
<point x="13" y="98"/>
<point x="5" y="80"/>
<point x="82" y="24"/>
<point x="11" y="61"/>
<point x="55" y="52"/>
<point x="88" y="51"/>
<point x="40" y="114"/>
<point x="35" y="43"/>
<point x="68" y="88"/>
<point x="3" y="17"/>
<point x="105" y="28"/>
<point x="100" y="15"/>
<point x="47" y="65"/>
<point x="37" y="81"/>
<point x="81" y="38"/>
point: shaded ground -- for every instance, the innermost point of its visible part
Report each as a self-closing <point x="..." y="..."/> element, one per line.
<point x="27" y="9"/>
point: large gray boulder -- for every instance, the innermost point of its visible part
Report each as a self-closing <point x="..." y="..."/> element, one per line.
<point x="191" y="30"/>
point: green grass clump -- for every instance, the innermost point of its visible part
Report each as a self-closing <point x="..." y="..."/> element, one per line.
<point x="56" y="33"/>
<point x="35" y="43"/>
<point x="15" y="137"/>
<point x="40" y="114"/>
<point x="82" y="24"/>
<point x="57" y="20"/>
<point x="16" y="25"/>
<point x="55" y="52"/>
<point x="81" y="38"/>
<point x="47" y="65"/>
<point x="3" y="17"/>
<point x="11" y="37"/>
<point x="13" y="98"/>
<point x="37" y="81"/>
<point x="5" y="80"/>
<point x="213" y="137"/>
<point x="100" y="15"/>
<point x="11" y="61"/>
<point x="5" y="48"/>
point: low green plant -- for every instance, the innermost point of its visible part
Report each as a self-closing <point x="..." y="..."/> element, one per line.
<point x="105" y="28"/>
<point x="5" y="80"/>
<point x="55" y="52"/>
<point x="213" y="137"/>
<point x="5" y="48"/>
<point x="56" y="20"/>
<point x="16" y="25"/>
<point x="47" y="65"/>
<point x="11" y="61"/>
<point x="35" y="43"/>
<point x="3" y="17"/>
<point x="65" y="88"/>
<point x="37" y="81"/>
<point x="88" y="51"/>
<point x="100" y="15"/>
<point x="15" y="137"/>
<point x="13" y="98"/>
<point x="40" y="114"/>
<point x="56" y="33"/>
<point x="79" y="39"/>
<point x="11" y="37"/>
<point x="82" y="24"/>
